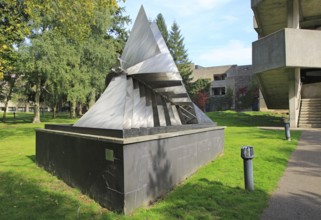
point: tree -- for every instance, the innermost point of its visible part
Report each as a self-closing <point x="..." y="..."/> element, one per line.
<point x="117" y="32"/>
<point x="180" y="56"/>
<point x="160" y="21"/>
<point x="13" y="29"/>
<point x="200" y="85"/>
<point x="61" y="30"/>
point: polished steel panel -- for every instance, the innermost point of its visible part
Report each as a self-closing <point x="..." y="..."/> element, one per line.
<point x="171" y="113"/>
<point x="176" y="115"/>
<point x="108" y="111"/>
<point x="158" y="63"/>
<point x="155" y="111"/>
<point x="160" y="110"/>
<point x="129" y="100"/>
<point x="147" y="90"/>
<point x="137" y="110"/>
<point x="142" y="106"/>
<point x="141" y="43"/>
<point x="149" y="108"/>
<point x="201" y="116"/>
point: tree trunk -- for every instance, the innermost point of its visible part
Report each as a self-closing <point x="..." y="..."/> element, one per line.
<point x="54" y="111"/>
<point x="36" y="117"/>
<point x="54" y="106"/>
<point x="79" y="109"/>
<point x="92" y="98"/>
<point x="8" y="99"/>
<point x="4" y="115"/>
<point x="72" y="109"/>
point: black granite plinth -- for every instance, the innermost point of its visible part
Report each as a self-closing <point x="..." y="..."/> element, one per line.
<point x="127" y="133"/>
<point x="125" y="173"/>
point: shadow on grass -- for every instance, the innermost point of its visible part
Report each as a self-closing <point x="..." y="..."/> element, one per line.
<point x="16" y="132"/>
<point x="242" y="119"/>
<point x="22" y="198"/>
<point x="25" y="118"/>
<point x="212" y="200"/>
<point x="32" y="158"/>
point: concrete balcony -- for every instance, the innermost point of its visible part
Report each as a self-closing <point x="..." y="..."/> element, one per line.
<point x="287" y="48"/>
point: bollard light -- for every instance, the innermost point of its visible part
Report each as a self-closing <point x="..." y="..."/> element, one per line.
<point x="287" y="131"/>
<point x="247" y="153"/>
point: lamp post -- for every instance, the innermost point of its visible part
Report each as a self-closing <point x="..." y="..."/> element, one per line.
<point x="247" y="153"/>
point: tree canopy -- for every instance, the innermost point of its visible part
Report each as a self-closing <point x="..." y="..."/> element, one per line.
<point x="14" y="27"/>
<point x="67" y="47"/>
<point x="160" y="21"/>
<point x="175" y="43"/>
<point x="180" y="55"/>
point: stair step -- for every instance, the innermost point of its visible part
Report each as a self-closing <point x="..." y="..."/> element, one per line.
<point x="313" y="99"/>
<point x="310" y="103"/>
<point x="310" y="117"/>
<point x="310" y="121"/>
<point x="310" y="125"/>
<point x="311" y="111"/>
<point x="309" y="107"/>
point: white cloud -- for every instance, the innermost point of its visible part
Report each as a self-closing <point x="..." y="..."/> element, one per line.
<point x="229" y="18"/>
<point x="211" y="4"/>
<point x="215" y="32"/>
<point x="183" y="8"/>
<point x="235" y="52"/>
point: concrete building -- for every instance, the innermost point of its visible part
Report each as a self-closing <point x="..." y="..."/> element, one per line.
<point x="22" y="107"/>
<point x="287" y="57"/>
<point x="231" y="87"/>
<point x="16" y="107"/>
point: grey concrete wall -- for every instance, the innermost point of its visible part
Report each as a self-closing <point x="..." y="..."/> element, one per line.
<point x="123" y="174"/>
<point x="269" y="52"/>
<point x="254" y="3"/>
<point x="287" y="48"/>
<point x="312" y="90"/>
<point x="80" y="161"/>
<point x="303" y="48"/>
<point x="154" y="167"/>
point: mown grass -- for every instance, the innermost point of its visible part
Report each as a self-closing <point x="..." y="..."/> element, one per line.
<point x="215" y="191"/>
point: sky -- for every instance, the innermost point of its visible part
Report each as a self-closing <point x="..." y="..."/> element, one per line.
<point x="216" y="32"/>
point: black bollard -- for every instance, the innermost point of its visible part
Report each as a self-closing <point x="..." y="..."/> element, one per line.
<point x="287" y="131"/>
<point x="247" y="153"/>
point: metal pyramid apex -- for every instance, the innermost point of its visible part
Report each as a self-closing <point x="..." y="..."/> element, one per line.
<point x="147" y="90"/>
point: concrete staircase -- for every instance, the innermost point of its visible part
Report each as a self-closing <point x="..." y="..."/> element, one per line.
<point x="310" y="113"/>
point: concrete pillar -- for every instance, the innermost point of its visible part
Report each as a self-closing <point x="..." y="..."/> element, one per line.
<point x="294" y="96"/>
<point x="294" y="74"/>
<point x="293" y="14"/>
<point x="263" y="106"/>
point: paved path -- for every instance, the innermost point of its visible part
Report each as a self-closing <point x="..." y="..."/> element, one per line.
<point x="298" y="195"/>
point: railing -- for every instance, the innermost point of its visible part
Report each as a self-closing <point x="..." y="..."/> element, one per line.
<point x="299" y="98"/>
<point x="298" y="104"/>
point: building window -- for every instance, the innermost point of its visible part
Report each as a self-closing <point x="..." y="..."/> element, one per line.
<point x="218" y="91"/>
<point x="21" y="109"/>
<point x="218" y="77"/>
<point x="45" y="109"/>
<point x="11" y="109"/>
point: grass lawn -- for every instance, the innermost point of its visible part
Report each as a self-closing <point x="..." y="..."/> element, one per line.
<point x="215" y="191"/>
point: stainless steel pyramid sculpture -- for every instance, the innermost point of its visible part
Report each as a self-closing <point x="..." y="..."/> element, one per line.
<point x="147" y="90"/>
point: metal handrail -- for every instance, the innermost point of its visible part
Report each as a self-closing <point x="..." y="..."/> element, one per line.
<point x="299" y="99"/>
